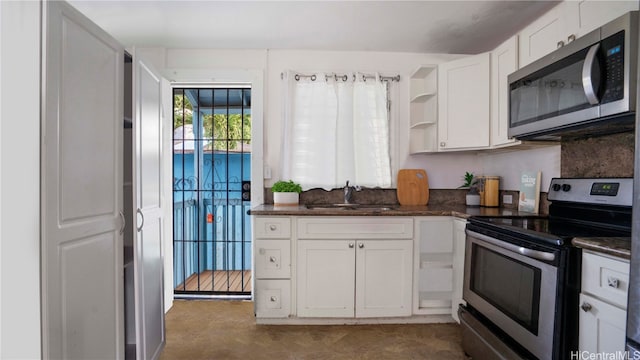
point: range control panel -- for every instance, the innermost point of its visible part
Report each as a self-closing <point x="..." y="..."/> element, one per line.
<point x="606" y="191"/>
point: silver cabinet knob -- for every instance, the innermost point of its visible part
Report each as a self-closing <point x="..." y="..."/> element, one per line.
<point x="351" y="245"/>
<point x="273" y="299"/>
<point x="571" y="38"/>
<point x="560" y="44"/>
<point x="360" y="245"/>
<point x="613" y="282"/>
<point x="443" y="144"/>
<point x="272" y="259"/>
<point x="586" y="307"/>
<point x="272" y="227"/>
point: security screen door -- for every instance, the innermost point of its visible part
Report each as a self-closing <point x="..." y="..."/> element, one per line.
<point x="211" y="189"/>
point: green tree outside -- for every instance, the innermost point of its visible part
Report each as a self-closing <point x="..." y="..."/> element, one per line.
<point x="221" y="129"/>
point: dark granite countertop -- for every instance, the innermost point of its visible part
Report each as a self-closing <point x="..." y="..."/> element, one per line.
<point x="460" y="211"/>
<point x="616" y="246"/>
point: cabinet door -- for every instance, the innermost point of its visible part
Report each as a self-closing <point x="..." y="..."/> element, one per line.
<point x="543" y="35"/>
<point x="150" y="206"/>
<point x="81" y="188"/>
<point x="326" y="278"/>
<point x="595" y="13"/>
<point x="383" y="278"/>
<point x="459" y="238"/>
<point x="504" y="61"/>
<point x="463" y="120"/>
<point x="602" y="327"/>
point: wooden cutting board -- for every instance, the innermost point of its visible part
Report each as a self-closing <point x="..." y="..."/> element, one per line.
<point x="413" y="187"/>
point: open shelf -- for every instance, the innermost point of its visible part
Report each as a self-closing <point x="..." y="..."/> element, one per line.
<point x="423" y="112"/>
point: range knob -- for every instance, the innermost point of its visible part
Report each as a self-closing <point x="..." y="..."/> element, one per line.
<point x="566" y="187"/>
<point x="556" y="187"/>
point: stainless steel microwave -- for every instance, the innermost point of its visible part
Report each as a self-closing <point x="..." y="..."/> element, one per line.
<point x="587" y="87"/>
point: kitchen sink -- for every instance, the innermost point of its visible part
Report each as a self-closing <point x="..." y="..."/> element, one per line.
<point x="368" y="207"/>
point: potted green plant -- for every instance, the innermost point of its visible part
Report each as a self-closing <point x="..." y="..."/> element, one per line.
<point x="286" y="192"/>
<point x="473" y="197"/>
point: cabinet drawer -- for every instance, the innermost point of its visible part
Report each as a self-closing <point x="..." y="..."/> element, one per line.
<point x="272" y="228"/>
<point x="355" y="228"/>
<point x="273" y="298"/>
<point x="605" y="277"/>
<point x="273" y="259"/>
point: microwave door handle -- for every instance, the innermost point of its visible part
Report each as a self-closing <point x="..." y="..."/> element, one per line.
<point x="587" y="80"/>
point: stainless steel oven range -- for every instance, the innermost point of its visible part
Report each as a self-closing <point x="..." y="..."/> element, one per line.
<point x="522" y="275"/>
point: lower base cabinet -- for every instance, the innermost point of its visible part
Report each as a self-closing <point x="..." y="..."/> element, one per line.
<point x="361" y="278"/>
<point x="603" y="303"/>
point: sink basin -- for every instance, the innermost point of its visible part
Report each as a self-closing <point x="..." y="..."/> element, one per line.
<point x="334" y="207"/>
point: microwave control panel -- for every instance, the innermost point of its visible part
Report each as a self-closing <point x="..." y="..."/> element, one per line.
<point x="613" y="48"/>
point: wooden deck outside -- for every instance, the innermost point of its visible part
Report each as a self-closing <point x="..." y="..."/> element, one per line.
<point x="220" y="279"/>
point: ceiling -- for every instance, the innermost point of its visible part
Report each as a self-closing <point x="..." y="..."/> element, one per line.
<point x="461" y="27"/>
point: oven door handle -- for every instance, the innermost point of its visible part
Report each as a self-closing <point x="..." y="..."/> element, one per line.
<point x="535" y="254"/>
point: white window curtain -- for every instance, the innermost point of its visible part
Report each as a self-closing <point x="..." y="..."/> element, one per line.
<point x="336" y="129"/>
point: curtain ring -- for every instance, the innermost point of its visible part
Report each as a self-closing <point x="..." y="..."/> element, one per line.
<point x="313" y="77"/>
<point x="297" y="77"/>
<point x="354" y="77"/>
<point x="335" y="77"/>
<point x="364" y="77"/>
<point x="345" y="78"/>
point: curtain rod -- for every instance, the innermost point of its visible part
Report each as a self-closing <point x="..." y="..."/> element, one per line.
<point x="344" y="77"/>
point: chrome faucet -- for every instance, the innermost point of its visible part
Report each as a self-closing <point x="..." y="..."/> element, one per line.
<point x="348" y="192"/>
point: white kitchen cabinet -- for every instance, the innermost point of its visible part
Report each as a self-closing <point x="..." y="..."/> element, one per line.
<point x="433" y="270"/>
<point x="354" y="266"/>
<point x="463" y="103"/>
<point x="423" y="109"/>
<point x="566" y="22"/>
<point x="272" y="266"/>
<point x="547" y="33"/>
<point x="504" y="61"/>
<point x="595" y="13"/>
<point x="459" y="237"/>
<point x="603" y="303"/>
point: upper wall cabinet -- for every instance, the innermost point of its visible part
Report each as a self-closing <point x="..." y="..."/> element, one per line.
<point x="593" y="13"/>
<point x="549" y="32"/>
<point x="504" y="61"/>
<point x="463" y="103"/>
<point x="566" y="22"/>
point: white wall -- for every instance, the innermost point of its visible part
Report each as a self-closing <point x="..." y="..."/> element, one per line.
<point x="20" y="180"/>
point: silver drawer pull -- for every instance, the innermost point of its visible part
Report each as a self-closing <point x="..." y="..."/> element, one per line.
<point x="272" y="259"/>
<point x="273" y="299"/>
<point x="560" y="44"/>
<point x="571" y="38"/>
<point x="351" y="245"/>
<point x="272" y="227"/>
<point x="586" y="307"/>
<point x="360" y="245"/>
<point x="613" y="282"/>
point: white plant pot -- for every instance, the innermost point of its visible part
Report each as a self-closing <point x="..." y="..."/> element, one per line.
<point x="286" y="198"/>
<point x="473" y="200"/>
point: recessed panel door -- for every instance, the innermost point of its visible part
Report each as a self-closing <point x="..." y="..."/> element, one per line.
<point x="81" y="188"/>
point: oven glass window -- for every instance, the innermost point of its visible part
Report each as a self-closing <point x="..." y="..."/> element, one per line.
<point x="552" y="91"/>
<point x="509" y="285"/>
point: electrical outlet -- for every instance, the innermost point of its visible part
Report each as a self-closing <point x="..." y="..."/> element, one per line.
<point x="507" y="199"/>
<point x="267" y="172"/>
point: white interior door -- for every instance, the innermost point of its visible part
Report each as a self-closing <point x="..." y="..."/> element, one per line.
<point x="81" y="188"/>
<point x="149" y="203"/>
